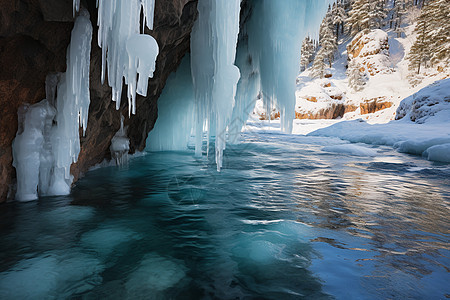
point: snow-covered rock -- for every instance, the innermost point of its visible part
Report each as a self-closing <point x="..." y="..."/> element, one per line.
<point x="371" y="51"/>
<point x="427" y="102"/>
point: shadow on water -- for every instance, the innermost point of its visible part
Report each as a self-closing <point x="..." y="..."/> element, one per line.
<point x="282" y="220"/>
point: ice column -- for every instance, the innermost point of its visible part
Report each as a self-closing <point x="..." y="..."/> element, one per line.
<point x="126" y="53"/>
<point x="72" y="104"/>
<point x="213" y="52"/>
<point x="43" y="152"/>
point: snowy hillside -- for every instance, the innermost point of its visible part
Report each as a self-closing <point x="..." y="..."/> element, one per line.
<point x="386" y="83"/>
<point x="369" y="72"/>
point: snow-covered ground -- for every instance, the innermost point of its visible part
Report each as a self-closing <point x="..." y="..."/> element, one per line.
<point x="423" y="130"/>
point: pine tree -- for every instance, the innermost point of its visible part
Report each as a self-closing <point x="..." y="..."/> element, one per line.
<point x="327" y="40"/>
<point x="377" y="13"/>
<point x="440" y="34"/>
<point x="433" y="36"/>
<point x="398" y="11"/>
<point x="366" y="14"/>
<point x="318" y="67"/>
<point x="355" y="76"/>
<point x="307" y="52"/>
<point x="359" y="18"/>
<point x="338" y="17"/>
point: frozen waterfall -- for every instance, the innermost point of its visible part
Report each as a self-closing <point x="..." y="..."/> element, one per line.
<point x="43" y="151"/>
<point x="267" y="56"/>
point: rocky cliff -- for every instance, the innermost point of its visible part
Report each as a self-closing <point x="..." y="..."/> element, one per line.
<point x="34" y="35"/>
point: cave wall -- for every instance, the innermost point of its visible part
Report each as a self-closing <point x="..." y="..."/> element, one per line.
<point x="34" y="35"/>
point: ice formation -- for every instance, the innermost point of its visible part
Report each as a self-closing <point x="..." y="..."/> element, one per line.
<point x="275" y="30"/>
<point x="43" y="151"/>
<point x="268" y="59"/>
<point x="120" y="145"/>
<point x="213" y="51"/>
<point x="126" y="53"/>
<point x="51" y="275"/>
<point x="175" y="103"/>
<point x="154" y="274"/>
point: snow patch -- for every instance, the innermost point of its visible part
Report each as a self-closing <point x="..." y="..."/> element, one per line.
<point x="351" y="149"/>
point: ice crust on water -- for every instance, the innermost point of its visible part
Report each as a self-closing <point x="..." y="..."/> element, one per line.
<point x="154" y="274"/>
<point x="108" y="237"/>
<point x="51" y="276"/>
<point x="120" y="145"/>
<point x="42" y="151"/>
<point x="126" y="53"/>
<point x="351" y="150"/>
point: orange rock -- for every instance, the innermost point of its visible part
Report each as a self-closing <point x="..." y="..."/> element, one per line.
<point x="336" y="97"/>
<point x="373" y="105"/>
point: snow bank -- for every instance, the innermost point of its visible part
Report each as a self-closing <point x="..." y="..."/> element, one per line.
<point x="351" y="150"/>
<point x="438" y="153"/>
<point x="426" y="103"/>
<point x="418" y="146"/>
<point x="407" y="137"/>
<point x="427" y="136"/>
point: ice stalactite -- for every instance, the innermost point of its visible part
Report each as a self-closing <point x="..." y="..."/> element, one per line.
<point x="275" y="30"/>
<point x="126" y="53"/>
<point x="43" y="151"/>
<point x="120" y="145"/>
<point x="213" y="52"/>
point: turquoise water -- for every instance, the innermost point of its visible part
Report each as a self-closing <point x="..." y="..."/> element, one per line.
<point x="283" y="220"/>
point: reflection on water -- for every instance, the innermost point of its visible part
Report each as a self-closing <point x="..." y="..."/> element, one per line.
<point x="283" y="220"/>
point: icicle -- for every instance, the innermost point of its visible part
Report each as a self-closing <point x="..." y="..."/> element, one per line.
<point x="125" y="52"/>
<point x="76" y="6"/>
<point x="120" y="145"/>
<point x="213" y="51"/>
<point x="43" y="152"/>
<point x="275" y="30"/>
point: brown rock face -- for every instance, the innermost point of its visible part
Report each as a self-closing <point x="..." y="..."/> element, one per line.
<point x="373" y="105"/>
<point x="333" y="112"/>
<point x="34" y="35"/>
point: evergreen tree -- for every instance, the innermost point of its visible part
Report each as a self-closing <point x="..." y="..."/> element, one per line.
<point x="307" y="52"/>
<point x="377" y="13"/>
<point x="359" y="18"/>
<point x="327" y="40"/>
<point x="338" y="17"/>
<point x="318" y="67"/>
<point x="440" y="34"/>
<point x="355" y="76"/>
<point x="366" y="14"/>
<point x="433" y="36"/>
<point x="398" y="11"/>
